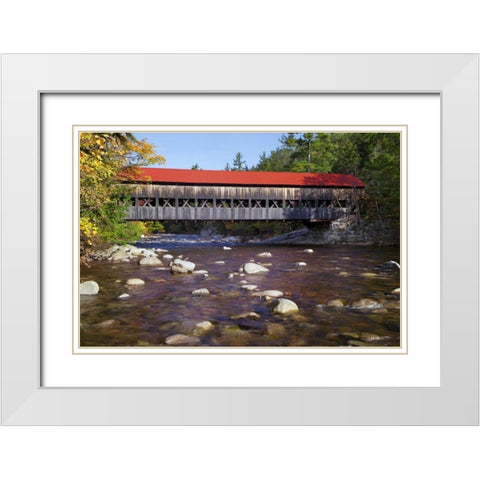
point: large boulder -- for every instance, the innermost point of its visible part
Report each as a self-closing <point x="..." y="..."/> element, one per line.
<point x="182" y="266"/>
<point x="150" y="261"/>
<point x="251" y="268"/>
<point x="283" y="306"/>
<point x="89" y="288"/>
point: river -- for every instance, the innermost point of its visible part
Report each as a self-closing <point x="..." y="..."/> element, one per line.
<point x="164" y="306"/>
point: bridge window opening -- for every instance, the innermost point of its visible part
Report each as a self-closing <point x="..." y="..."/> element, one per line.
<point x="240" y="203"/>
<point x="224" y="203"/>
<point x="291" y="203"/>
<point x="167" y="202"/>
<point x="187" y="203"/>
<point x="205" y="203"/>
<point x="146" y="202"/>
<point x="275" y="203"/>
<point x="259" y="203"/>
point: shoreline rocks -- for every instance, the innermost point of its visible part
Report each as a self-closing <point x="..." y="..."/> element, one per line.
<point x="151" y="260"/>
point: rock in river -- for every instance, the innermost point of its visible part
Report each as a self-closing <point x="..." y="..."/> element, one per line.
<point x="135" y="281"/>
<point x="366" y="303"/>
<point x="201" y="291"/>
<point x="182" y="266"/>
<point x="264" y="254"/>
<point x="203" y="327"/>
<point x="269" y="293"/>
<point x="89" y="288"/>
<point x="150" y="261"/>
<point x="283" y="306"/>
<point x="335" y="302"/>
<point x="251" y="315"/>
<point x="182" y="340"/>
<point x="251" y="268"/>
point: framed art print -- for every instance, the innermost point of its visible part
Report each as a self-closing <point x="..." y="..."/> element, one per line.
<point x="282" y="249"/>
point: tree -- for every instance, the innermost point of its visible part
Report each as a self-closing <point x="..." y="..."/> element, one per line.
<point x="238" y="163"/>
<point x="106" y="158"/>
<point x="195" y="167"/>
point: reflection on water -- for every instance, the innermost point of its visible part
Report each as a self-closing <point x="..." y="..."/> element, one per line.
<point x="165" y="306"/>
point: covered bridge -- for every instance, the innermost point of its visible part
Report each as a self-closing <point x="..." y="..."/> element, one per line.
<point x="174" y="194"/>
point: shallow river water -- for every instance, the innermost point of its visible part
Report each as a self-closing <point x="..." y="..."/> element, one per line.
<point x="165" y="306"/>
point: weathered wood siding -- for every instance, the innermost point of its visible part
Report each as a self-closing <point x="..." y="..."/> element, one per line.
<point x="187" y="202"/>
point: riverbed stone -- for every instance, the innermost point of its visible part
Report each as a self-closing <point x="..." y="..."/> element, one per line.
<point x="138" y="251"/>
<point x="123" y="295"/>
<point x="200" y="272"/>
<point x="167" y="256"/>
<point x="203" y="327"/>
<point x="269" y="293"/>
<point x="396" y="291"/>
<point x="264" y="254"/>
<point x="369" y="337"/>
<point x="252" y="268"/>
<point x="219" y="262"/>
<point x="308" y="250"/>
<point x="283" y="306"/>
<point x="249" y="287"/>
<point x="89" y="288"/>
<point x="227" y="248"/>
<point x="179" y="339"/>
<point x="390" y="265"/>
<point x="153" y="260"/>
<point x="335" y="302"/>
<point x="343" y="274"/>
<point x="300" y="264"/>
<point x="135" y="281"/>
<point x="366" y="303"/>
<point x="251" y="315"/>
<point x="368" y="274"/>
<point x="119" y="255"/>
<point x="182" y="266"/>
<point x="201" y="291"/>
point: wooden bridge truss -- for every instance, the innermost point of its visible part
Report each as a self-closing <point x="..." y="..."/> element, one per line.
<point x="194" y="202"/>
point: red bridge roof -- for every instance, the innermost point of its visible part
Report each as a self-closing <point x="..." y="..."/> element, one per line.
<point x="222" y="177"/>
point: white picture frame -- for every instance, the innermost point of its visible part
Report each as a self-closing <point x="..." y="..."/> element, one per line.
<point x="26" y="77"/>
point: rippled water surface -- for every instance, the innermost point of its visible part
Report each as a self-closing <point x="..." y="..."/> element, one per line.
<point x="165" y="306"/>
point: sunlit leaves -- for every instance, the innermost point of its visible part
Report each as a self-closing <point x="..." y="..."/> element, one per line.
<point x="104" y="158"/>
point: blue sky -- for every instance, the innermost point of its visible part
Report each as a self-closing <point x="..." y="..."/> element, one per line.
<point x="211" y="151"/>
